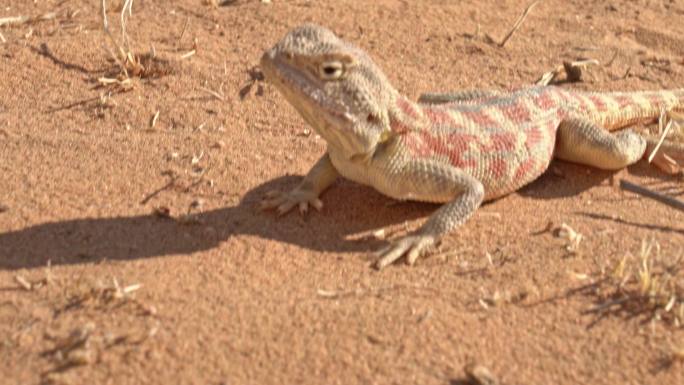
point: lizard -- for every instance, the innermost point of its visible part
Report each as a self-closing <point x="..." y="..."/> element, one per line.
<point x="458" y="149"/>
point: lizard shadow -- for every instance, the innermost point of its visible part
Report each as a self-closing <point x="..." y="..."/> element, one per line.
<point x="566" y="179"/>
<point x="574" y="179"/>
<point x="346" y="212"/>
<point x="92" y="240"/>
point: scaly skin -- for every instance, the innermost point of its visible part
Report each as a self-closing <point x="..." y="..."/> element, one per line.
<point x="459" y="149"/>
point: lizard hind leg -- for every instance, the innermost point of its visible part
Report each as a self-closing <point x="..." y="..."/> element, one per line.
<point x="582" y="141"/>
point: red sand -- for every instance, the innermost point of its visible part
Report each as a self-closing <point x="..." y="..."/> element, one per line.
<point x="238" y="296"/>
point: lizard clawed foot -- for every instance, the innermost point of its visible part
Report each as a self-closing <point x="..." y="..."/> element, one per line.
<point x="285" y="201"/>
<point x="413" y="246"/>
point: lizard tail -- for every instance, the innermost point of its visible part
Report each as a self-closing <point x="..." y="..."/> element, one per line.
<point x="615" y="110"/>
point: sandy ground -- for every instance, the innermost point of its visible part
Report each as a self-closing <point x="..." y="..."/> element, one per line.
<point x="233" y="295"/>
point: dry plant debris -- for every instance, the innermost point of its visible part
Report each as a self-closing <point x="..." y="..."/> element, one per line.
<point x="104" y="296"/>
<point x="18" y="20"/>
<point x="155" y="118"/>
<point x="650" y="286"/>
<point x="146" y="65"/>
<point x="217" y="3"/>
<point x="643" y="191"/>
<point x="217" y="94"/>
<point x="480" y="375"/>
<point x="162" y="211"/>
<point x="374" y="291"/>
<point x="572" y="70"/>
<point x="666" y="143"/>
<point x="572" y="237"/>
<point x="73" y="349"/>
<point x="499" y="298"/>
<point x="86" y="341"/>
<point x="29" y="285"/>
<point x="518" y="23"/>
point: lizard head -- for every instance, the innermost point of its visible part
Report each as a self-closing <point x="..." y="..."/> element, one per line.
<point x="335" y="86"/>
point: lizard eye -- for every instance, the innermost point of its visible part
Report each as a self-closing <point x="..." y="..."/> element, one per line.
<point x="331" y="70"/>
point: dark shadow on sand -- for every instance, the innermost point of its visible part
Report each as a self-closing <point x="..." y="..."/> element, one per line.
<point x="91" y="240"/>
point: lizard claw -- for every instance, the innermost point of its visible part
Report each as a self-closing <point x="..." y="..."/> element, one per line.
<point x="284" y="202"/>
<point x="413" y="246"/>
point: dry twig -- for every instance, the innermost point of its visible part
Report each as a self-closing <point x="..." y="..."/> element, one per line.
<point x="217" y="95"/>
<point x="518" y="23"/>
<point x="660" y="141"/>
<point x="18" y="20"/>
<point x="573" y="71"/>
<point x="668" y="200"/>
<point x="130" y="64"/>
<point x="649" y="286"/>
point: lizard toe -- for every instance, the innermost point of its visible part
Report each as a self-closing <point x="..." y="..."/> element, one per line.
<point x="284" y="202"/>
<point x="413" y="246"/>
<point x="272" y="202"/>
<point x="418" y="250"/>
<point x="390" y="254"/>
<point x="286" y="206"/>
<point x="317" y="204"/>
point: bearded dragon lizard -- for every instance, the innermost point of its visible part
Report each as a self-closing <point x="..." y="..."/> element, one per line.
<point x="459" y="149"/>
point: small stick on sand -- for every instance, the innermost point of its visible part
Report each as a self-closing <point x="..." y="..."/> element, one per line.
<point x="573" y="71"/>
<point x="668" y="200"/>
<point x="217" y="95"/>
<point x="18" y="20"/>
<point x="188" y="54"/>
<point x="185" y="27"/>
<point x="153" y="122"/>
<point x="26" y="285"/>
<point x="105" y="27"/>
<point x="518" y="23"/>
<point x="660" y="142"/>
<point x="14" y="20"/>
<point x="127" y="8"/>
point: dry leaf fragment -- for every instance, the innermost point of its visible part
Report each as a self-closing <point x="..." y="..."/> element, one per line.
<point x="573" y="237"/>
<point x="81" y="356"/>
<point x="327" y="293"/>
<point x="153" y="122"/>
<point x="26" y="285"/>
<point x="480" y="375"/>
<point x="162" y="212"/>
<point x="75" y="338"/>
<point x="666" y="164"/>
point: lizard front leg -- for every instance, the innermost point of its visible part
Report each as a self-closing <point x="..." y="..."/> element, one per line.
<point x="320" y="177"/>
<point x="466" y="194"/>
